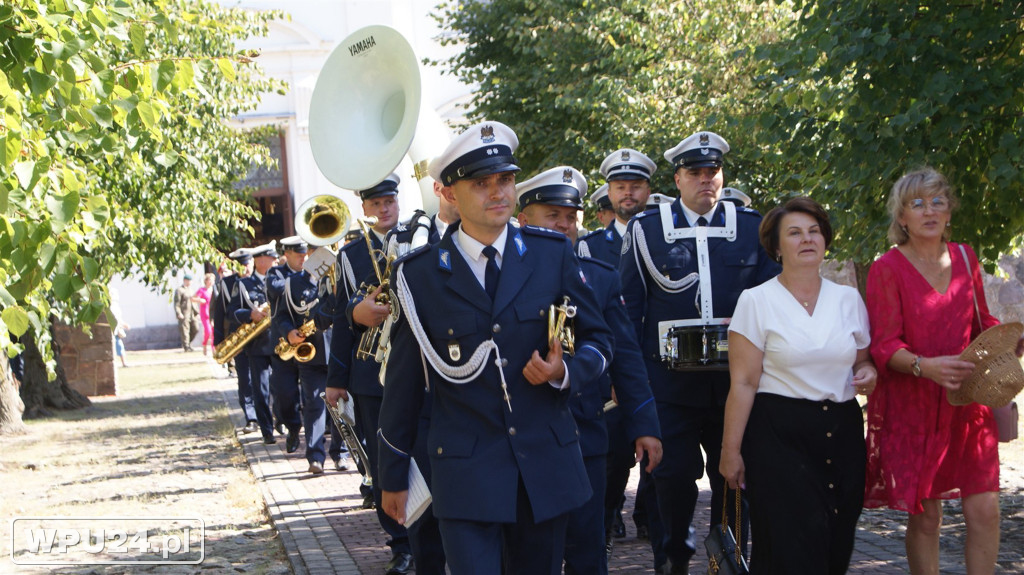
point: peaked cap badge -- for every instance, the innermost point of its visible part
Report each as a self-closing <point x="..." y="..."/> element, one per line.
<point x="625" y="156"/>
<point x="487" y="134"/>
<point x="567" y="176"/>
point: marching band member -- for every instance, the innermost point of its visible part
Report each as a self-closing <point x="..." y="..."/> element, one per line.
<point x="299" y="304"/>
<point x="229" y="300"/>
<point x="684" y="265"/>
<point x="360" y="377"/>
<point x="551" y="200"/>
<point x="284" y="375"/>
<point x="425" y="533"/>
<point x="505" y="456"/>
<point x="247" y="295"/>
<point x="628" y="173"/>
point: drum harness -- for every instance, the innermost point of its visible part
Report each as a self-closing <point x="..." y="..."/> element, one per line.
<point x="703" y="274"/>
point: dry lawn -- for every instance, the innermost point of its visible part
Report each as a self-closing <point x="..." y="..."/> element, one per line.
<point x="163" y="447"/>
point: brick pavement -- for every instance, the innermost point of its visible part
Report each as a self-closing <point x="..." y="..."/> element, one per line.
<point x="324" y="531"/>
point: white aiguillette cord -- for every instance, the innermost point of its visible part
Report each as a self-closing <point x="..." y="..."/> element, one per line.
<point x="461" y="374"/>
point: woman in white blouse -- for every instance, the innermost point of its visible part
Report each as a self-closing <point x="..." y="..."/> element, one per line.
<point x="794" y="434"/>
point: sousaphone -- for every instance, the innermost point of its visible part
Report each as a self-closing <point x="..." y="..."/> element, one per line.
<point x="365" y="112"/>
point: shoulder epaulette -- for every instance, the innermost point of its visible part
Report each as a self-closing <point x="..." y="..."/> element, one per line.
<point x="593" y="234"/>
<point x="746" y="210"/>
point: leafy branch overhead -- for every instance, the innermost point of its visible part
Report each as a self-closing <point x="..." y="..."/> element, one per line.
<point x="835" y="99"/>
<point x="115" y="157"/>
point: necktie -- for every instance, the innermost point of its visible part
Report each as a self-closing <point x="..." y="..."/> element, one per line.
<point x="701" y="221"/>
<point x="491" y="271"/>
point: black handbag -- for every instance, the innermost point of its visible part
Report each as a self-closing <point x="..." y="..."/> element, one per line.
<point x="724" y="556"/>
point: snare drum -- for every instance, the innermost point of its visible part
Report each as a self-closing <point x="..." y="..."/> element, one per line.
<point x="697" y="348"/>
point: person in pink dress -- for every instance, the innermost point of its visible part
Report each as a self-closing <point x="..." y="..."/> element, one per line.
<point x="921" y="449"/>
<point x="203" y="296"/>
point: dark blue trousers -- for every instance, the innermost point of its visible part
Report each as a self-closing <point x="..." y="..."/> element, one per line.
<point x="584" y="538"/>
<point x="244" y="386"/>
<point x="521" y="548"/>
<point x="313" y="380"/>
<point x="259" y="378"/>
<point x="684" y="431"/>
<point x="284" y="385"/>
<point x="367" y="408"/>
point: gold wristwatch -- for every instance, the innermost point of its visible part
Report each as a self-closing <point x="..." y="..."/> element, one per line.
<point x="916" y="366"/>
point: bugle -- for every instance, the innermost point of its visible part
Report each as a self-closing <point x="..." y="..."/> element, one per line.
<point x="559" y="328"/>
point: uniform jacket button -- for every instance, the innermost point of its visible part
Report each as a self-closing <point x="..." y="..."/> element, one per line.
<point x="496" y="328"/>
<point x="440" y="450"/>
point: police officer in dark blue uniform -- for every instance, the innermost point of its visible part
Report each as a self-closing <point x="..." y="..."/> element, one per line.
<point x="473" y="327"/>
<point x="351" y="374"/>
<point x="425" y="533"/>
<point x="552" y="200"/>
<point x="684" y="266"/>
<point x="241" y="360"/>
<point x="284" y="375"/>
<point x="299" y="308"/>
<point x="248" y="295"/>
<point x="628" y="173"/>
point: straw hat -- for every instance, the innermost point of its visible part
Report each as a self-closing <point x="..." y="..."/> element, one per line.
<point x="997" y="377"/>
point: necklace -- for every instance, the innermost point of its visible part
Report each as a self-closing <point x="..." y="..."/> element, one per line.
<point x="806" y="302"/>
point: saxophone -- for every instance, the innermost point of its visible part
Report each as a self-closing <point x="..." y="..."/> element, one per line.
<point x="301" y="352"/>
<point x="226" y="350"/>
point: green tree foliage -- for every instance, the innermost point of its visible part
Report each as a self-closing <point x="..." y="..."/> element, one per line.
<point x="859" y="92"/>
<point x="114" y="154"/>
<point x="579" y="79"/>
<point x="835" y="99"/>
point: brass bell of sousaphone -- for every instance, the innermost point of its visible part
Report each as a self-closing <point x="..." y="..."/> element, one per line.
<point x="362" y="115"/>
<point x="367" y="112"/>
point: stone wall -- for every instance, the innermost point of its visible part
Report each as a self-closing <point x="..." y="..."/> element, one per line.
<point x="1004" y="292"/>
<point x="88" y="361"/>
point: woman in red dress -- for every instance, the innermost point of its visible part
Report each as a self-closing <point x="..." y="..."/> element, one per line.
<point x="920" y="448"/>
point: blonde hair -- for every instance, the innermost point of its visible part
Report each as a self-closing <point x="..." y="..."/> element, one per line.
<point x="209" y="276"/>
<point x="920" y="183"/>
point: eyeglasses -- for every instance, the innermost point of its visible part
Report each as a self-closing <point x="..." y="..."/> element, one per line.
<point x="938" y="204"/>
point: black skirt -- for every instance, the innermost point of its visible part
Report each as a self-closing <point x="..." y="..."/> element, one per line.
<point x="805" y="484"/>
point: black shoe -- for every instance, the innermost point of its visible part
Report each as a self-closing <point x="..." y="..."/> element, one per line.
<point x="367" y="501"/>
<point x="291" y="443"/>
<point x="250" y="427"/>
<point x="316" y="468"/>
<point x="280" y="429"/>
<point x="609" y="544"/>
<point x="642" y="533"/>
<point x="400" y="564"/>
<point x="269" y="439"/>
<point x="618" y="527"/>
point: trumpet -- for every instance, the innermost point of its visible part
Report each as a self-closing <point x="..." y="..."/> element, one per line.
<point x="301" y="352"/>
<point x="559" y="329"/>
<point x="368" y="342"/>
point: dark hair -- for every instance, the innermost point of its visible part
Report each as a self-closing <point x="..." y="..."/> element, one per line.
<point x="769" y="230"/>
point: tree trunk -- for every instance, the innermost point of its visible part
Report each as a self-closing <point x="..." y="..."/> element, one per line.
<point x="862" y="277"/>
<point x="38" y="392"/>
<point x="11" y="406"/>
